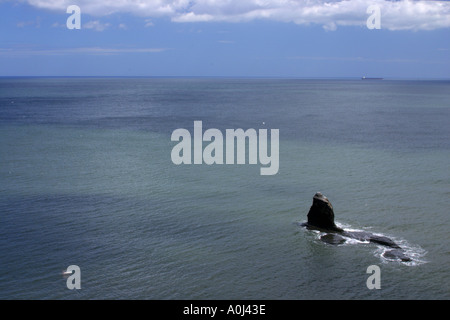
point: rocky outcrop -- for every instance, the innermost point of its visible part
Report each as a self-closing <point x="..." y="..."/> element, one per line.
<point x="321" y="214"/>
<point x="396" y="254"/>
<point x="332" y="238"/>
<point x="321" y="217"/>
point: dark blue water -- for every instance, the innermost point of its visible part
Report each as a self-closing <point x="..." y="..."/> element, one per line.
<point x="86" y="178"/>
<point x="389" y="114"/>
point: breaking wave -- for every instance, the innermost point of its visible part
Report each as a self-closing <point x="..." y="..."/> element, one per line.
<point x="414" y="252"/>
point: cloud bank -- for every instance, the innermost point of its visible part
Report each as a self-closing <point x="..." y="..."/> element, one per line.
<point x="395" y="15"/>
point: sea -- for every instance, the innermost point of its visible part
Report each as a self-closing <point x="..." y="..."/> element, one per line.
<point x="87" y="179"/>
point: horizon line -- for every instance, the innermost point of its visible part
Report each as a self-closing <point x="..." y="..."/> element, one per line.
<point x="226" y="77"/>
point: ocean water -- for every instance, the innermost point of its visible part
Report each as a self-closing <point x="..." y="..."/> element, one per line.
<point x="86" y="179"/>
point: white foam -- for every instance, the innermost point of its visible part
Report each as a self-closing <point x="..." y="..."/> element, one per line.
<point x="354" y="241"/>
<point x="414" y="252"/>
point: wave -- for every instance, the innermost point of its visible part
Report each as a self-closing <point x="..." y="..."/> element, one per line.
<point x="414" y="252"/>
<point x="408" y="254"/>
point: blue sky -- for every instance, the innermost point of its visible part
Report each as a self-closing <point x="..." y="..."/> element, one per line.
<point x="246" y="38"/>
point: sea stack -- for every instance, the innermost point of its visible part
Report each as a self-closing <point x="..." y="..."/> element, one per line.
<point x="321" y="214"/>
<point x="321" y="217"/>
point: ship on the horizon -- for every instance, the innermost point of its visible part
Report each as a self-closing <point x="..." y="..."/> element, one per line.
<point x="366" y="78"/>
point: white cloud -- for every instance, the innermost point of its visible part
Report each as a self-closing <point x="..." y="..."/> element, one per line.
<point x="96" y="25"/>
<point x="23" y="24"/>
<point x="148" y="23"/>
<point x="331" y="26"/>
<point x="58" y="25"/>
<point x="36" y="23"/>
<point x="395" y="15"/>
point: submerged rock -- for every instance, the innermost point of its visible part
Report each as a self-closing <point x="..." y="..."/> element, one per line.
<point x="397" y="254"/>
<point x="385" y="241"/>
<point x="332" y="238"/>
<point x="370" y="237"/>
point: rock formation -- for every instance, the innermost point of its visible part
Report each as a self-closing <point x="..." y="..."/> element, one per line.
<point x="321" y="217"/>
<point x="321" y="214"/>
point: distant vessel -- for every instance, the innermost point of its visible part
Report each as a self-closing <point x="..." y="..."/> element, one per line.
<point x="366" y="78"/>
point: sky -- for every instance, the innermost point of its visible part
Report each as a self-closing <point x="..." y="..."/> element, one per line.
<point x="226" y="38"/>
